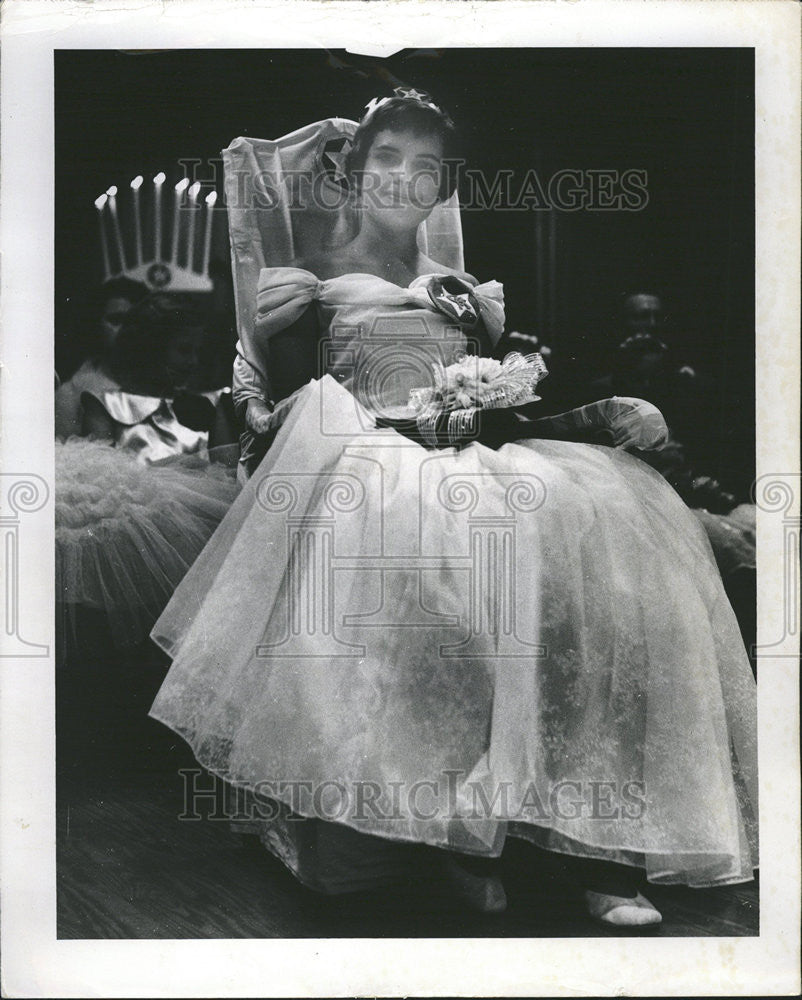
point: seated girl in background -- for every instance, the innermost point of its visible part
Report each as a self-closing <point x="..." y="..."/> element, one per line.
<point x="151" y="412"/>
<point x="115" y="298"/>
<point x="136" y="496"/>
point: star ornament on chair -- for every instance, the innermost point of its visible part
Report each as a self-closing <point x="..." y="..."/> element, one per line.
<point x="159" y="275"/>
<point x="332" y="160"/>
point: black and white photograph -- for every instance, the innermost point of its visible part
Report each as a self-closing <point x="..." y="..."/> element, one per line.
<point x="401" y="581"/>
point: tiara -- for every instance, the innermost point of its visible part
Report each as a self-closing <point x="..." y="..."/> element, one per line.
<point x="133" y="230"/>
<point x="405" y="93"/>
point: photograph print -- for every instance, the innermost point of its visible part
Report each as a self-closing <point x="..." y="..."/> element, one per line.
<point x="405" y="534"/>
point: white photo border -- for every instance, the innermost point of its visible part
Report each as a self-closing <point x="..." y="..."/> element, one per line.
<point x="36" y="963"/>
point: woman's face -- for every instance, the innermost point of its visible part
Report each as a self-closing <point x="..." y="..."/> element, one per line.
<point x="401" y="178"/>
<point x="111" y="320"/>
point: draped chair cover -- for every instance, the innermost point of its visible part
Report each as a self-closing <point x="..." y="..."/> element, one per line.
<point x="287" y="198"/>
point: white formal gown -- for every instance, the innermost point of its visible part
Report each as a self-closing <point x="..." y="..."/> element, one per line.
<point x="449" y="647"/>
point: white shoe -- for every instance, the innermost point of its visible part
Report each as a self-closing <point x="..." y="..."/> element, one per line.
<point x="618" y="911"/>
<point x="481" y="893"/>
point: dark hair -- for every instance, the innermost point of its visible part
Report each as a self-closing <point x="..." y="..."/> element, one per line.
<point x="119" y="288"/>
<point x="651" y="290"/>
<point x="89" y="341"/>
<point x="405" y="114"/>
<point x="147" y="327"/>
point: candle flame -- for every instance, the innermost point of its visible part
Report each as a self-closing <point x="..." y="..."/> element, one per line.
<point x="190" y="233"/>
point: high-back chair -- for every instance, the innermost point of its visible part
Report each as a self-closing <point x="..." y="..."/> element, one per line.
<point x="287" y="199"/>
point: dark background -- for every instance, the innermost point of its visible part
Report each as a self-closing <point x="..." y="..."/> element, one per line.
<point x="685" y="116"/>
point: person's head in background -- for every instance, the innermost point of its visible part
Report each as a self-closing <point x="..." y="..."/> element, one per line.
<point x="640" y="354"/>
<point x="642" y="312"/>
<point x="114" y="299"/>
<point x="159" y="345"/>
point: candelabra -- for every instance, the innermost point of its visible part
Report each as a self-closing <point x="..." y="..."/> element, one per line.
<point x="133" y="234"/>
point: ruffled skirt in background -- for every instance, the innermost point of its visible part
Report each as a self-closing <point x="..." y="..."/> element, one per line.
<point x="127" y="533"/>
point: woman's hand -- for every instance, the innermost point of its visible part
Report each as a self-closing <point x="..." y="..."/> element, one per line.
<point x="258" y="417"/>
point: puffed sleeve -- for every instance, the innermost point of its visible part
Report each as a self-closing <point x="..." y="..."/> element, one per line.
<point x="125" y="408"/>
<point x="246" y="384"/>
<point x="282" y="296"/>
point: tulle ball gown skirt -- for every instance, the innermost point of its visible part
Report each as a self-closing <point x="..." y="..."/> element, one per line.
<point x="449" y="647"/>
<point x="126" y="533"/>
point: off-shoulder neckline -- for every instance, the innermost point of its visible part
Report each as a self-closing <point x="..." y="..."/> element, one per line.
<point x="368" y="274"/>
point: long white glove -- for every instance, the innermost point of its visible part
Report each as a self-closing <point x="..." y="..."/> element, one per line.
<point x="262" y="419"/>
<point x="634" y="423"/>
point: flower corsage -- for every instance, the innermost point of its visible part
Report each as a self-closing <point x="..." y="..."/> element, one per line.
<point x="472" y="384"/>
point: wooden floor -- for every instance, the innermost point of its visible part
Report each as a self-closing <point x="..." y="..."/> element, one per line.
<point x="129" y="868"/>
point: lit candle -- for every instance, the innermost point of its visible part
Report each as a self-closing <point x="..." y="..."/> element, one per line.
<point x="112" y="193"/>
<point x="211" y="199"/>
<point x="158" y="180"/>
<point x="193" y="193"/>
<point x="180" y="188"/>
<point x="136" y="184"/>
<point x="104" y="249"/>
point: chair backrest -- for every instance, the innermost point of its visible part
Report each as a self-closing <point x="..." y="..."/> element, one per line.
<point x="287" y="199"/>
